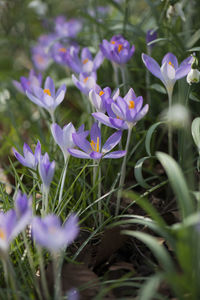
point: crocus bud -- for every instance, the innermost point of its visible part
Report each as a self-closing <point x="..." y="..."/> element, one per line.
<point x="193" y="76"/>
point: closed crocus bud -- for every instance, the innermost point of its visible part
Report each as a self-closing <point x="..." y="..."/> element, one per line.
<point x="193" y="76"/>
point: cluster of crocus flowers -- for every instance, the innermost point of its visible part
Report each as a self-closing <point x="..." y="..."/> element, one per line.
<point x="123" y="113"/>
<point x="92" y="149"/>
<point x="27" y="83"/>
<point x="118" y="50"/>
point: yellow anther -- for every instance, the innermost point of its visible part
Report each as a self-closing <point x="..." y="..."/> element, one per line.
<point x="2" y="234"/>
<point x="112" y="42"/>
<point x="95" y="146"/>
<point x="85" y="79"/>
<point x="47" y="91"/>
<point x="171" y="64"/>
<point x="64" y="50"/>
<point x="85" y="61"/>
<point x="120" y="47"/>
<point x="131" y="104"/>
<point x="101" y="93"/>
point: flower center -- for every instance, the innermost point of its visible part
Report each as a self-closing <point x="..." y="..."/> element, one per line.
<point x="101" y="93"/>
<point x="85" y="61"/>
<point x="85" y="79"/>
<point x="95" y="146"/>
<point x="64" y="50"/>
<point x="131" y="104"/>
<point x="47" y="91"/>
<point x="2" y="234"/>
<point x="112" y="42"/>
<point x="120" y="47"/>
<point x="39" y="58"/>
<point x="171" y="64"/>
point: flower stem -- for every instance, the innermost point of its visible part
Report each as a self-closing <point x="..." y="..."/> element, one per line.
<point x="170" y="136"/>
<point x="99" y="194"/>
<point x="42" y="273"/>
<point x="123" y="172"/>
<point x="116" y="78"/>
<point x="57" y="267"/>
<point x="45" y="193"/>
<point x="63" y="179"/>
<point x="10" y="276"/>
<point x="123" y="72"/>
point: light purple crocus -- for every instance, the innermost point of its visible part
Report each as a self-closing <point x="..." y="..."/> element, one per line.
<point x="93" y="149"/>
<point x="14" y="221"/>
<point x="117" y="50"/>
<point x="67" y="29"/>
<point x="26" y="84"/>
<point x="46" y="171"/>
<point x="63" y="137"/>
<point x="66" y="55"/>
<point x="85" y="82"/>
<point x="169" y="71"/>
<point x="49" y="233"/>
<point x="47" y="98"/>
<point x="29" y="159"/>
<point x="123" y="113"/>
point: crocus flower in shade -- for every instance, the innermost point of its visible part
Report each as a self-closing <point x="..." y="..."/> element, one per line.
<point x="73" y="294"/>
<point x="14" y="221"/>
<point x="169" y="71"/>
<point x="46" y="170"/>
<point x="40" y="58"/>
<point x="150" y="37"/>
<point x="117" y="50"/>
<point x="101" y="97"/>
<point x="63" y="137"/>
<point x="47" y="98"/>
<point x="85" y="83"/>
<point x="123" y="113"/>
<point x="29" y="159"/>
<point x="49" y="233"/>
<point x="26" y="84"/>
<point x="67" y="29"/>
<point x="93" y="150"/>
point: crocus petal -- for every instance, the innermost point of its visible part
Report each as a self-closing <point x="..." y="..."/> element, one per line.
<point x="95" y="133"/>
<point x="98" y="60"/>
<point x="102" y="118"/>
<point x="170" y="58"/>
<point x="60" y="95"/>
<point x="119" y="124"/>
<point x="142" y="113"/>
<point x="96" y="155"/>
<point x="57" y="133"/>
<point x="115" y="154"/>
<point x="49" y="85"/>
<point x="112" y="141"/>
<point x="182" y="71"/>
<point x="152" y="65"/>
<point x="78" y="153"/>
<point x="18" y="86"/>
<point x="130" y="96"/>
<point x="34" y="99"/>
<point x="81" y="142"/>
<point x="71" y="228"/>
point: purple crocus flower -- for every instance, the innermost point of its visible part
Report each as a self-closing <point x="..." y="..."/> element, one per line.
<point x="14" y="221"/>
<point x="67" y="29"/>
<point x="150" y="37"/>
<point x="124" y="112"/>
<point x="93" y="150"/>
<point x="169" y="71"/>
<point x="117" y="50"/>
<point x="49" y="233"/>
<point x="46" y="170"/>
<point x="29" y="159"/>
<point x="26" y="84"/>
<point x="40" y="57"/>
<point x="63" y="137"/>
<point x="65" y="55"/>
<point x="85" y="83"/>
<point x="47" y="98"/>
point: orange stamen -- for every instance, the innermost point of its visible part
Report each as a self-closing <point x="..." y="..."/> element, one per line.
<point x="120" y="47"/>
<point x="85" y="79"/>
<point x="39" y="58"/>
<point x="85" y="61"/>
<point x="112" y="42"/>
<point x="101" y="93"/>
<point x="171" y="64"/>
<point x="131" y="104"/>
<point x="47" y="91"/>
<point x="64" y="50"/>
<point x="95" y="146"/>
<point x="2" y="234"/>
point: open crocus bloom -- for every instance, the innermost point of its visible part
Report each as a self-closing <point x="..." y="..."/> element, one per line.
<point x="123" y="113"/>
<point x="117" y="50"/>
<point x="29" y="159"/>
<point x="169" y="71"/>
<point x="85" y="83"/>
<point x="49" y="233"/>
<point x="47" y="98"/>
<point x="26" y="84"/>
<point x="92" y="149"/>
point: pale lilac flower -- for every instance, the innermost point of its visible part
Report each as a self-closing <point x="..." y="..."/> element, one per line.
<point x="85" y="82"/>
<point x="63" y="137"/>
<point x="29" y="159"/>
<point x="73" y="294"/>
<point x="117" y="50"/>
<point x="123" y="113"/>
<point x="49" y="233"/>
<point x="14" y="221"/>
<point x="169" y="71"/>
<point x="47" y="98"/>
<point x="26" y="84"/>
<point x="46" y="170"/>
<point x="67" y="29"/>
<point x="93" y="149"/>
<point x="62" y="53"/>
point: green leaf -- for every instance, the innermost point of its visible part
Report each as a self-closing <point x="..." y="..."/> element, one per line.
<point x="149" y="134"/>
<point x="194" y="49"/>
<point x="138" y="173"/>
<point x="178" y="183"/>
<point x="159" y="88"/>
<point x="196" y="132"/>
<point x="194" y="38"/>
<point x="149" y="288"/>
